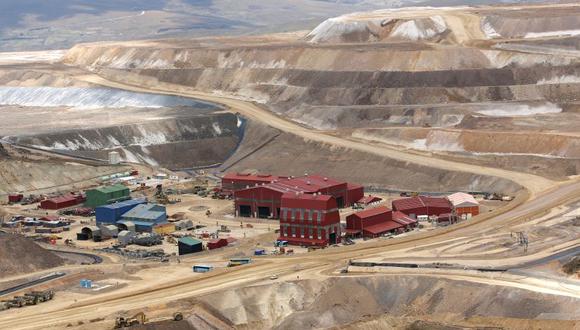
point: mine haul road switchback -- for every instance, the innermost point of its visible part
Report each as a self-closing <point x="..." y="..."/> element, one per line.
<point x="533" y="183"/>
<point x="545" y="193"/>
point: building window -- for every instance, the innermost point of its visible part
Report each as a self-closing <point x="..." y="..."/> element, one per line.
<point x="292" y="214"/>
<point x="293" y="231"/>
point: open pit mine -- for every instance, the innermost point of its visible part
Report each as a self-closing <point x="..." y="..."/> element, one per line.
<point x="411" y="168"/>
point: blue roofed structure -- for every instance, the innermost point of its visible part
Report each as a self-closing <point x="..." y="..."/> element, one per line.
<point x="114" y="212"/>
<point x="146" y="216"/>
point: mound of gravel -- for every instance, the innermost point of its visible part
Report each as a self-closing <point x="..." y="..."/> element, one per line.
<point x="21" y="255"/>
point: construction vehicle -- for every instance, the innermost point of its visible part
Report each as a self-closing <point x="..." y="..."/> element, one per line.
<point x="140" y="318"/>
<point x="36" y="297"/>
<point x="16" y="302"/>
<point x="160" y="195"/>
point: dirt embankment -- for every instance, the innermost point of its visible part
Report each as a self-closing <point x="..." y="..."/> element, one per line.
<point x="20" y="255"/>
<point x="22" y="170"/>
<point x="176" y="143"/>
<point x="286" y="154"/>
<point x="397" y="301"/>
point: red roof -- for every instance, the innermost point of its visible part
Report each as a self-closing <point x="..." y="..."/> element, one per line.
<point x="372" y="212"/>
<point x="63" y="199"/>
<point x="308" y="201"/>
<point x="420" y="201"/>
<point x="369" y="199"/>
<point x="402" y="218"/>
<point x="382" y="227"/>
<point x="312" y="183"/>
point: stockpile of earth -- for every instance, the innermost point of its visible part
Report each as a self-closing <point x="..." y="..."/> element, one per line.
<point x="21" y="255"/>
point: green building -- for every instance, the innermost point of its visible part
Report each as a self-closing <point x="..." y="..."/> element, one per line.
<point x="107" y="195"/>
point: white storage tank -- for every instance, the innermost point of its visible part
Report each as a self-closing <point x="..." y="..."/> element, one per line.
<point x="114" y="158"/>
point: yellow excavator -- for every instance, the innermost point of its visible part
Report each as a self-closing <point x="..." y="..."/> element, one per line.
<point x="140" y="318"/>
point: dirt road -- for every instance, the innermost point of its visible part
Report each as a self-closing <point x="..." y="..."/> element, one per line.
<point x="533" y="183"/>
<point x="547" y="194"/>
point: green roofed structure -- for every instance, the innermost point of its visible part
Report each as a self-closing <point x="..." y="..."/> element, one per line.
<point x="187" y="245"/>
<point x="107" y="195"/>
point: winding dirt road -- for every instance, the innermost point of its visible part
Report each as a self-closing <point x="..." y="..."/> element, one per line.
<point x="533" y="183"/>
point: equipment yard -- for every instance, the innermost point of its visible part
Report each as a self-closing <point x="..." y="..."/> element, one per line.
<point x="396" y="169"/>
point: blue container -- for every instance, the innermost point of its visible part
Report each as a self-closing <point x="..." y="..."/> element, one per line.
<point x="202" y="268"/>
<point x="261" y="252"/>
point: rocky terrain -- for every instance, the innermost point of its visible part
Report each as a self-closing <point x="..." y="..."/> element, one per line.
<point x="388" y="301"/>
<point x="21" y="255"/>
<point x="456" y="82"/>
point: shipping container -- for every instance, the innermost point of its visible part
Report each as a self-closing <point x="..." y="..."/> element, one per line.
<point x="202" y="268"/>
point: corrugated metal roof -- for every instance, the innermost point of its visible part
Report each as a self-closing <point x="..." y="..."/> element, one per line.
<point x="372" y="212"/>
<point x="460" y="198"/>
<point x="420" y="201"/>
<point x="382" y="227"/>
<point x="189" y="241"/>
<point x="62" y="199"/>
<point x="144" y="211"/>
<point x="119" y="205"/>
<point x="402" y="218"/>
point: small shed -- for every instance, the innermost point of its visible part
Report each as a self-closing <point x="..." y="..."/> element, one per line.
<point x="164" y="229"/>
<point x="464" y="205"/>
<point x="188" y="245"/>
<point x="217" y="243"/>
<point x="15" y="198"/>
<point x="184" y="225"/>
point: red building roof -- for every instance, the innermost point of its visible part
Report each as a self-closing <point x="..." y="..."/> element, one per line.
<point x="420" y="201"/>
<point x="308" y="201"/>
<point x="369" y="199"/>
<point x="372" y="212"/>
<point x="382" y="227"/>
<point x="63" y="199"/>
<point x="403" y="219"/>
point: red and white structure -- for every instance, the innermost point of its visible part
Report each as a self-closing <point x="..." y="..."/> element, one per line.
<point x="464" y="205"/>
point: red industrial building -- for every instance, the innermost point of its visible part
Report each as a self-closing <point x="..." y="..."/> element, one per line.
<point x="264" y="200"/>
<point x="239" y="181"/>
<point x="61" y="202"/>
<point x="378" y="221"/>
<point x="15" y="198"/>
<point x="423" y="206"/>
<point x="309" y="219"/>
<point x="217" y="243"/>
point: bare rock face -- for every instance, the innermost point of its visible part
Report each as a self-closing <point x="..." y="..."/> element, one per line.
<point x="339" y="302"/>
<point x="491" y="69"/>
<point x="21" y="255"/>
